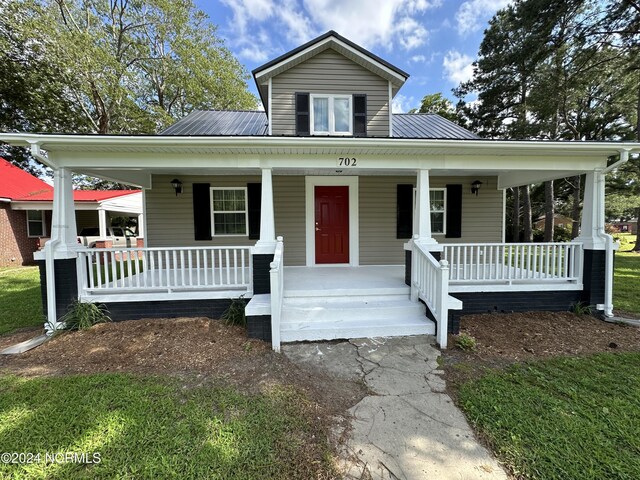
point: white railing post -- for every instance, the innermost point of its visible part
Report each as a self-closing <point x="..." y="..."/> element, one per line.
<point x="276" y="275"/>
<point x="442" y="303"/>
<point x="414" y="269"/>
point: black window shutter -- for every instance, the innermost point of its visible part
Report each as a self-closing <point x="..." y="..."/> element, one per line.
<point x="201" y="211"/>
<point x="254" y="200"/>
<point x="454" y="211"/>
<point x="404" y="206"/>
<point x="302" y="114"/>
<point x="360" y="115"/>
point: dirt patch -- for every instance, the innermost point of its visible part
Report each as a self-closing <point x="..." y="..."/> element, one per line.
<point x="503" y="339"/>
<point x="195" y="349"/>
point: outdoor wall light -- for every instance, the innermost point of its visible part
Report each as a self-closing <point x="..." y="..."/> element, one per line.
<point x="177" y="186"/>
<point x="475" y="187"/>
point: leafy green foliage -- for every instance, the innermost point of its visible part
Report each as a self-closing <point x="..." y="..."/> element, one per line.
<point x="466" y="342"/>
<point x="154" y="428"/>
<point x="234" y="315"/>
<point x="581" y="308"/>
<point x="562" y="418"/>
<point x="436" y="103"/>
<point x="20" y="299"/>
<point x="84" y="315"/>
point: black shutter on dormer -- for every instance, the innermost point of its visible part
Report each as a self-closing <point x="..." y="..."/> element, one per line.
<point x="254" y="200"/>
<point x="454" y="211"/>
<point x="201" y="211"/>
<point x="302" y="114"/>
<point x="404" y="211"/>
<point x="360" y="115"/>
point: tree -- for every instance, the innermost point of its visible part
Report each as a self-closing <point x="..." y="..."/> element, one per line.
<point x="436" y="103"/>
<point x="132" y="66"/>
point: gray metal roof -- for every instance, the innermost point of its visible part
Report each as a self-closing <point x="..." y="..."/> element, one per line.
<point x="220" y="122"/>
<point x="251" y="123"/>
<point x="428" y="125"/>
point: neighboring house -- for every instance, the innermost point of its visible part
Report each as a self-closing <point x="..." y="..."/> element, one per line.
<point x="392" y="224"/>
<point x="558" y="221"/>
<point x="626" y="226"/>
<point x="26" y="203"/>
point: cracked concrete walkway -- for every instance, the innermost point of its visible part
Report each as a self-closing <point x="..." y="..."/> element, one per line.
<point x="407" y="427"/>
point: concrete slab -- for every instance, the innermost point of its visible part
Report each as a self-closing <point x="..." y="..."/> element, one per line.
<point x="408" y="428"/>
<point x="25" y="346"/>
<point x="627" y="321"/>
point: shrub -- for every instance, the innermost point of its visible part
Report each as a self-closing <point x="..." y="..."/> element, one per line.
<point x="466" y="342"/>
<point x="234" y="315"/>
<point x="84" y="315"/>
<point x="581" y="308"/>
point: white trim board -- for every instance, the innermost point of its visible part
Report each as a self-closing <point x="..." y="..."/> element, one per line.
<point x="354" y="220"/>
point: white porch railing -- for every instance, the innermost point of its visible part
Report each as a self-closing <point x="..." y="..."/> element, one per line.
<point x="277" y="292"/>
<point x="164" y="269"/>
<point x="514" y="263"/>
<point x="430" y="283"/>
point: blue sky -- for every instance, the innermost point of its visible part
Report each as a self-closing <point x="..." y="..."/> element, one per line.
<point x="433" y="40"/>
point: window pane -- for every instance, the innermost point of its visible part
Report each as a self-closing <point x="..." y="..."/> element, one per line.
<point x="35" y="229"/>
<point x="437" y="200"/>
<point x="437" y="222"/>
<point x="321" y="114"/>
<point x="341" y="114"/>
<point x="34" y="215"/>
<point x="230" y="224"/>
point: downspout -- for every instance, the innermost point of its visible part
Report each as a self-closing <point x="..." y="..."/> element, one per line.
<point x="610" y="245"/>
<point x="52" y="324"/>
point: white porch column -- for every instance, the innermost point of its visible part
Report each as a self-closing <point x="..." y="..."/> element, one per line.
<point x="63" y="220"/>
<point x="422" y="220"/>
<point x="267" y="241"/>
<point x="592" y="233"/>
<point x="102" y="222"/>
<point x="141" y="226"/>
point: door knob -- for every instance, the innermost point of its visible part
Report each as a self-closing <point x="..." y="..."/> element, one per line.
<point x="317" y="229"/>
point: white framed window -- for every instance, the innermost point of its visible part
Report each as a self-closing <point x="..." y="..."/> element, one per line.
<point x="331" y="114"/>
<point x="229" y="212"/>
<point x="35" y="223"/>
<point x="437" y="210"/>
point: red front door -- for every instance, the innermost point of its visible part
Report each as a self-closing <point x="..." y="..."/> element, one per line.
<point x="332" y="224"/>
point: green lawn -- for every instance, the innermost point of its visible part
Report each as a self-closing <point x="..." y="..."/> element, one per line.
<point x="20" y="298"/>
<point x="626" y="287"/>
<point x="566" y="418"/>
<point x="150" y="427"/>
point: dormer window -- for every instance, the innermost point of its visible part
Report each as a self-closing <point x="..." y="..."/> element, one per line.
<point x="331" y="114"/>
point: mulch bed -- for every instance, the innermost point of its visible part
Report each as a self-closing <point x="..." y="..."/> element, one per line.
<point x="504" y="339"/>
<point x="197" y="350"/>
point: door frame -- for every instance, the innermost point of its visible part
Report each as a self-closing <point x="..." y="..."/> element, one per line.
<point x="310" y="183"/>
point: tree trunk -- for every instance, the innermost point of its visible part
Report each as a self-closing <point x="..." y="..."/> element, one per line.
<point x="516" y="214"/>
<point x="575" y="210"/>
<point x="526" y="215"/>
<point x="549" y="211"/>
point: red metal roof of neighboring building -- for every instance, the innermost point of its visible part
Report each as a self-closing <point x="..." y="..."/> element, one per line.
<point x="18" y="185"/>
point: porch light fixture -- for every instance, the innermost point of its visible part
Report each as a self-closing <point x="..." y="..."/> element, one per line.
<point x="177" y="186"/>
<point x="475" y="187"/>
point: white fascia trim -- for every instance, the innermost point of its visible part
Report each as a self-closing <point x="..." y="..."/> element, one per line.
<point x="36" y="205"/>
<point x="354" y="221"/>
<point x="5" y="200"/>
<point x="315" y="46"/>
<point x="269" y="99"/>
<point x="20" y="139"/>
<point x="390" y="110"/>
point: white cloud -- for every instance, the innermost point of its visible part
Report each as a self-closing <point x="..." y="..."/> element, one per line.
<point x="254" y="53"/>
<point x="418" y="59"/>
<point x="401" y="103"/>
<point x="473" y="14"/>
<point x="458" y="67"/>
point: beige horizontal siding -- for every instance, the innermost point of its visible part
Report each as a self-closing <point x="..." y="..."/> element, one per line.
<point x="329" y="73"/>
<point x="170" y="218"/>
<point x="481" y="216"/>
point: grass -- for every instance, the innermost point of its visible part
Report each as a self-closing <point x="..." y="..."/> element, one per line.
<point x="566" y="418"/>
<point x="20" y="298"/>
<point x="627" y="275"/>
<point x="151" y="427"/>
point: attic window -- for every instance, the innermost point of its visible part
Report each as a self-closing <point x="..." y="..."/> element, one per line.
<point x="331" y="115"/>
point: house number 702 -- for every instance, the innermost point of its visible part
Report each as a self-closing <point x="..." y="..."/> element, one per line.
<point x="347" y="162"/>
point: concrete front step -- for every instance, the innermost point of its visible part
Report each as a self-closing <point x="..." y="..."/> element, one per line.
<point x="328" y="318"/>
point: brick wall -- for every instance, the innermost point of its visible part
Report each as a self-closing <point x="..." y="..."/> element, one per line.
<point x="16" y="248"/>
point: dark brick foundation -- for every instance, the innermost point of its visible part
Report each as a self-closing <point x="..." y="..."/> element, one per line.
<point x="66" y="279"/>
<point x="407" y="267"/>
<point x="259" y="326"/>
<point x="593" y="277"/>
<point x="261" y="276"/>
<point x="214" y="308"/>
